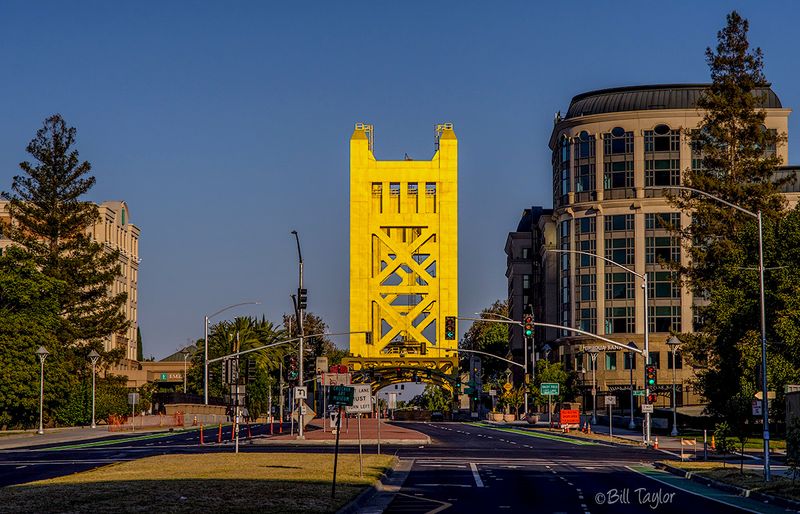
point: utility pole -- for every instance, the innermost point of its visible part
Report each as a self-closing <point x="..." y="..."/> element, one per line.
<point x="302" y="298"/>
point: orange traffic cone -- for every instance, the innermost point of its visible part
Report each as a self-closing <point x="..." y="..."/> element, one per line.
<point x="713" y="443"/>
<point x="655" y="443"/>
<point x="588" y="428"/>
<point x="201" y="435"/>
<point x="194" y="422"/>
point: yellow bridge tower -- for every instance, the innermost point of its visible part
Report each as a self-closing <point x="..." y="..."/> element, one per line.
<point x="403" y="262"/>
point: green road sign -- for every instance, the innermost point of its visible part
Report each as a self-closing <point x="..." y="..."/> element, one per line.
<point x="342" y="395"/>
<point x="638" y="392"/>
<point x="549" y="389"/>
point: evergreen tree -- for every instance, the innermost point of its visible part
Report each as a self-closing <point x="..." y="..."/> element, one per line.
<point x="51" y="223"/>
<point x="739" y="158"/>
<point x="139" y="346"/>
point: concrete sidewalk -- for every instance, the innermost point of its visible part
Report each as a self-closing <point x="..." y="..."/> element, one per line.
<point x="390" y="433"/>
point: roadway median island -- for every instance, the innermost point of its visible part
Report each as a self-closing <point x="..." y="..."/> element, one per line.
<point x="390" y="433"/>
<point x="211" y="482"/>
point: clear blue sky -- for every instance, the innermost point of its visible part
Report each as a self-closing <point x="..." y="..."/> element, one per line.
<point x="225" y="125"/>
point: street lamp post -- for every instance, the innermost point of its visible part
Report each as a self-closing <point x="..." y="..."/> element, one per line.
<point x="300" y="316"/>
<point x="592" y="351"/>
<point x="185" y="353"/>
<point x="643" y="277"/>
<point x="205" y="343"/>
<point x="93" y="356"/>
<point x="673" y="342"/>
<point x="42" y="353"/>
<point x="757" y="216"/>
<point x="631" y="365"/>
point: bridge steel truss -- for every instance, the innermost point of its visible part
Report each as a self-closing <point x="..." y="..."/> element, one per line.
<point x="403" y="260"/>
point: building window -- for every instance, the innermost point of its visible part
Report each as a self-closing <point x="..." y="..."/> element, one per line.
<point x="662" y="220"/>
<point x="618" y="142"/>
<point x="588" y="246"/>
<point x="619" y="286"/>
<point x="662" y="139"/>
<point x="585" y="225"/>
<point x="588" y="318"/>
<point x="584" y="146"/>
<point x="655" y="359"/>
<point x="588" y="287"/>
<point x="665" y="318"/>
<point x="611" y="361"/>
<point x="619" y="222"/>
<point x="662" y="172"/>
<point x="526" y="252"/>
<point x="526" y="281"/>
<point x="661" y="249"/>
<point x="620" y="250"/>
<point x="630" y="360"/>
<point x="618" y="174"/>
<point x="678" y="360"/>
<point x="619" y="320"/>
<point x="584" y="177"/>
<point x="662" y="285"/>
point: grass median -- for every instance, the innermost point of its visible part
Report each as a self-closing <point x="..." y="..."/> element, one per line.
<point x="211" y="482"/>
<point x="752" y="478"/>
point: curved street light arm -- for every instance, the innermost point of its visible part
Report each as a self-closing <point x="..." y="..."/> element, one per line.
<point x="485" y="353"/>
<point x="555" y="250"/>
<point x="583" y="332"/>
<point x="494" y="314"/>
<point x="231" y="307"/>
<point x="708" y="195"/>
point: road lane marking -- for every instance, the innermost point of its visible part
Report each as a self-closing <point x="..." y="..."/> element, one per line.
<point x="476" y="475"/>
<point x="532" y="433"/>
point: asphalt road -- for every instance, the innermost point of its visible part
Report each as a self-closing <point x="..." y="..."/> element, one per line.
<point x="472" y="468"/>
<point x="469" y="468"/>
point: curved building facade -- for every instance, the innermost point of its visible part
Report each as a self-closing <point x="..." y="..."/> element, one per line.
<point x="606" y="150"/>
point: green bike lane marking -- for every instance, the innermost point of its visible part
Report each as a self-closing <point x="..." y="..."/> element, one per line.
<point x="108" y="442"/>
<point x="710" y="493"/>
<point x="532" y="433"/>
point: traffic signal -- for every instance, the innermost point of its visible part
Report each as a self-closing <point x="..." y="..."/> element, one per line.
<point x="450" y="328"/>
<point x="302" y="298"/>
<point x="528" y="322"/>
<point x="458" y="384"/>
<point x="650" y="375"/>
<point x="651" y="398"/>
<point x="251" y="371"/>
<point x="476" y="394"/>
<point x="291" y="370"/>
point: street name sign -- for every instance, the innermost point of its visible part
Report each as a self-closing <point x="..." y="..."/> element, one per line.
<point x="362" y="399"/>
<point x="638" y="392"/>
<point x="549" y="389"/>
<point x="342" y="395"/>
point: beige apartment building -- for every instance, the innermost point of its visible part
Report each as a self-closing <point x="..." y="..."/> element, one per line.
<point x="115" y="231"/>
<point x="608" y="147"/>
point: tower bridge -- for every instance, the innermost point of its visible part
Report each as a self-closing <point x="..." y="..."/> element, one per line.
<point x="403" y="262"/>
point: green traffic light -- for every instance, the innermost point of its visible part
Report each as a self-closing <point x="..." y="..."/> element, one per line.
<point x="528" y="332"/>
<point x="651" y="381"/>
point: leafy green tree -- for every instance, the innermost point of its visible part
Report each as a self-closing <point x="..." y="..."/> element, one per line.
<point x="491" y="338"/>
<point x="553" y="373"/>
<point x="722" y="436"/>
<point x="434" y="399"/>
<point x="29" y="318"/>
<point x="139" y="346"/>
<point x="793" y="446"/>
<point x="738" y="162"/>
<point x="51" y="223"/>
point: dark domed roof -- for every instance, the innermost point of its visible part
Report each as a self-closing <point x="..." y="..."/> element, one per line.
<point x="640" y="98"/>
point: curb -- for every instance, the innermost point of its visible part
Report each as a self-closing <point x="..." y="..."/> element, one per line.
<point x="741" y="491"/>
<point x="349" y="442"/>
<point x="396" y="473"/>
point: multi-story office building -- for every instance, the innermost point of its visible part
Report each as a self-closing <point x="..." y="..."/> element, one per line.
<point x="114" y="231"/>
<point x="609" y="147"/>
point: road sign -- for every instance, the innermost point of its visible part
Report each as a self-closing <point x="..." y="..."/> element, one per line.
<point x="362" y="399"/>
<point x="647" y="408"/>
<point x="392" y="400"/>
<point x="757" y="408"/>
<point x="300" y="393"/>
<point x="611" y="400"/>
<point x="549" y="389"/>
<point x="342" y="395"/>
<point x="570" y="417"/>
<point x="507" y="386"/>
<point x="321" y="365"/>
<point x="638" y="392"/>
<point x="332" y="379"/>
<point x="492" y="392"/>
<point x="133" y="398"/>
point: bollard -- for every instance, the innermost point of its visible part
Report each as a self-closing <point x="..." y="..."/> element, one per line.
<point x="233" y="430"/>
<point x="219" y="434"/>
<point x="201" y="435"/>
<point x="271" y="426"/>
<point x="588" y="428"/>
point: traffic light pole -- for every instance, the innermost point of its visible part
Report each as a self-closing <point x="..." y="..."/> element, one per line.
<point x="300" y="316"/>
